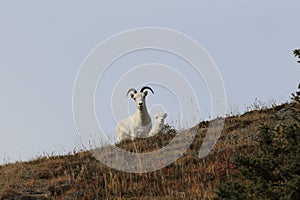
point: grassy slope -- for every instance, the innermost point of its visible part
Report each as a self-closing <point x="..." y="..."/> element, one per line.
<point x="81" y="176"/>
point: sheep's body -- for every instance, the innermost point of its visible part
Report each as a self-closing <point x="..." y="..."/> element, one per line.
<point x="139" y="124"/>
<point x="158" y="124"/>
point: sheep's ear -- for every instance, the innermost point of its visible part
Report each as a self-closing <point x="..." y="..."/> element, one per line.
<point x="132" y="95"/>
<point x="146" y="93"/>
<point x="165" y="115"/>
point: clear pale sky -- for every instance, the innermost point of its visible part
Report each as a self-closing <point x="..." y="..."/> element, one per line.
<point x="43" y="44"/>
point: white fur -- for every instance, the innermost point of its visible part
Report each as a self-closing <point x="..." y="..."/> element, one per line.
<point x="137" y="125"/>
<point x="159" y="123"/>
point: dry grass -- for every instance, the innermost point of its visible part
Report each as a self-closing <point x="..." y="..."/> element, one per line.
<point x="81" y="176"/>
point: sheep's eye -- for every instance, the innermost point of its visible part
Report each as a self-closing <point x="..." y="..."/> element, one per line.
<point x="133" y="98"/>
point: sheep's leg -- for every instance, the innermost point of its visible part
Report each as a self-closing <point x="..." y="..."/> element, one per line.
<point x="122" y="134"/>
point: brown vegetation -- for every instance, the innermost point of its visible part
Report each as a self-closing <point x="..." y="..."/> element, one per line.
<point x="81" y="176"/>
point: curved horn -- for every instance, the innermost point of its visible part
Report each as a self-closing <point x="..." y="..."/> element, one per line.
<point x="131" y="90"/>
<point x="145" y="88"/>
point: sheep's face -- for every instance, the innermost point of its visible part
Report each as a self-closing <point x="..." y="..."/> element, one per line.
<point x="160" y="117"/>
<point x="140" y="99"/>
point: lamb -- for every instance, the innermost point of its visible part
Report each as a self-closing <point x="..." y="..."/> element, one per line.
<point x="139" y="124"/>
<point x="159" y="123"/>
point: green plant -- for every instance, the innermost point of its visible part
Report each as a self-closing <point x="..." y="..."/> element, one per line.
<point x="296" y="95"/>
<point x="297" y="54"/>
<point x="273" y="172"/>
<point x="168" y="129"/>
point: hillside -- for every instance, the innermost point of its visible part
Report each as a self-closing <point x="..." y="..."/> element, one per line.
<point x="81" y="176"/>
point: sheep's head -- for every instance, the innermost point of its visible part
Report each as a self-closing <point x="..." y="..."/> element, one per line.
<point x="139" y="97"/>
<point x="160" y="117"/>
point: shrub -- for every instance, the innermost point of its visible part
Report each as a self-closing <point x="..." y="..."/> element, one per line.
<point x="273" y="172"/>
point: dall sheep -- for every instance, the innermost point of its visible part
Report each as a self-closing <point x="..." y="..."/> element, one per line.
<point x="159" y="123"/>
<point x="139" y="124"/>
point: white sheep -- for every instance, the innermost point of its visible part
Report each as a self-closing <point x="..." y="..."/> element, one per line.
<point x="159" y="123"/>
<point x="139" y="124"/>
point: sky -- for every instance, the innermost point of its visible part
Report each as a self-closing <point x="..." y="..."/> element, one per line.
<point x="44" y="43"/>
